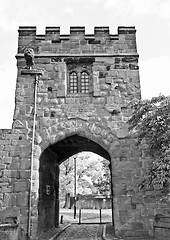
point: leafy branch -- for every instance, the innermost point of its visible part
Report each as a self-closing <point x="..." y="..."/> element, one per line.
<point x="151" y="122"/>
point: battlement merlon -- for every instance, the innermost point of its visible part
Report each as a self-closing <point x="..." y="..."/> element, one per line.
<point x="101" y="31"/>
<point x="78" y="42"/>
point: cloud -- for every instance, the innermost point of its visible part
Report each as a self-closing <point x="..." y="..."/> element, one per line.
<point x="132" y="7"/>
<point x="164" y="10"/>
<point x="35" y="13"/>
<point x="139" y="7"/>
<point x="154" y="75"/>
<point x="68" y="10"/>
<point x="22" y="12"/>
<point x="143" y="7"/>
<point x="91" y="2"/>
<point x="119" y="6"/>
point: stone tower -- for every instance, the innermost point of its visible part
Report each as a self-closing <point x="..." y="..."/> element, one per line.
<point x="74" y="95"/>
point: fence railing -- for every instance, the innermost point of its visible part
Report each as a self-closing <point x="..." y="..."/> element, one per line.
<point x="86" y="215"/>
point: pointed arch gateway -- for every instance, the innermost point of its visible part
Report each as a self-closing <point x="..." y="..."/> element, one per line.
<point x="71" y="117"/>
<point x="50" y="159"/>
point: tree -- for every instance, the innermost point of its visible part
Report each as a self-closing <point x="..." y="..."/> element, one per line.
<point x="93" y="176"/>
<point x="66" y="179"/>
<point x="102" y="183"/>
<point x="151" y="121"/>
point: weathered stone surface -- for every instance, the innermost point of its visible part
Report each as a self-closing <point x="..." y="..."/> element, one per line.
<point x="67" y="123"/>
<point x="22" y="199"/>
<point x="9" y="212"/>
<point x="122" y="132"/>
<point x="20" y="186"/>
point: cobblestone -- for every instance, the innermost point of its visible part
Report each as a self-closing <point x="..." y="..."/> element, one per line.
<point x="82" y="232"/>
<point x="94" y="232"/>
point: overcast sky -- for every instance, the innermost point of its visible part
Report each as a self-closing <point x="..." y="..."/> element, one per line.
<point x="150" y="17"/>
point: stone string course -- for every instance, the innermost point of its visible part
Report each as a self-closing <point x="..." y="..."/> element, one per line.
<point x="100" y="116"/>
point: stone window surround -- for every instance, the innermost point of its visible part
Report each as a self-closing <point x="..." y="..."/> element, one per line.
<point x="79" y="70"/>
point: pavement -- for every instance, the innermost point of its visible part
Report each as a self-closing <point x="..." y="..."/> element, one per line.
<point x="82" y="232"/>
<point x="90" y="232"/>
<point x="74" y="231"/>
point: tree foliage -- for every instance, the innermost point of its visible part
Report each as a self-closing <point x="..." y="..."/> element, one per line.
<point x="151" y="122"/>
<point x="92" y="174"/>
<point x="103" y="182"/>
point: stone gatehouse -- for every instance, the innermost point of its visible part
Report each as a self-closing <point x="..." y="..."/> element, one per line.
<point x="75" y="98"/>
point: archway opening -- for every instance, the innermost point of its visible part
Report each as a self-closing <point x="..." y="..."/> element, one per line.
<point x="85" y="189"/>
<point x="50" y="160"/>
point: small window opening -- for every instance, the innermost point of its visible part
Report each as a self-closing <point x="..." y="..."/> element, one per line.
<point x="73" y="83"/>
<point x="84" y="82"/>
<point x="50" y="89"/>
<point x="52" y="114"/>
<point x="46" y="114"/>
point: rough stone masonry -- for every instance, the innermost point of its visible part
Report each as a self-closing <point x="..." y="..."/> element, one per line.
<point x="75" y="98"/>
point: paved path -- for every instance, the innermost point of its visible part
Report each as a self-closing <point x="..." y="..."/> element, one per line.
<point x="82" y="232"/>
<point x="92" y="232"/>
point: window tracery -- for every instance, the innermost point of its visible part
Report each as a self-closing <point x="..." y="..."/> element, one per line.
<point x="79" y="79"/>
<point x="73" y="82"/>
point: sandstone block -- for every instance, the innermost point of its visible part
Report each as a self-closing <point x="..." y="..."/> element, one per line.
<point x="137" y="226"/>
<point x="36" y="164"/>
<point x="4" y="142"/>
<point x="7" y="160"/>
<point x="24" y="174"/>
<point x="4" y="182"/>
<point x="14" y="165"/>
<point x="2" y="166"/>
<point x="11" y="173"/>
<point x="37" y="151"/>
<point x="35" y="174"/>
<point x="35" y="185"/>
<point x="25" y="152"/>
<point x="9" y="212"/>
<point x="8" y="189"/>
<point x="20" y="186"/>
<point x="22" y="199"/>
<point x="25" y="164"/>
<point x="4" y="153"/>
<point x="122" y="132"/>
<point x="13" y="200"/>
<point x="24" y="219"/>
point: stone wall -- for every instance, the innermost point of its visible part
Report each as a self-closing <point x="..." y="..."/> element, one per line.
<point x="69" y="123"/>
<point x="93" y="202"/>
<point x="14" y="182"/>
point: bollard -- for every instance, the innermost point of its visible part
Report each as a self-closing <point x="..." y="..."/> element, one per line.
<point x="100" y="215"/>
<point x="74" y="211"/>
<point x="61" y="221"/>
<point x="80" y="216"/>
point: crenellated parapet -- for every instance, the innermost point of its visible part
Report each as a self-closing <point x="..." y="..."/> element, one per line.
<point x="74" y="94"/>
<point x="78" y="42"/>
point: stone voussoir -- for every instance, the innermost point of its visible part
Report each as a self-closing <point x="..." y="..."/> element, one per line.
<point x="83" y="85"/>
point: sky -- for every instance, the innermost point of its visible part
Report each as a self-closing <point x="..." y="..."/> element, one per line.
<point x="151" y="19"/>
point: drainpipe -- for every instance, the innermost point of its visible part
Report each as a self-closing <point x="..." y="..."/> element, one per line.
<point x="112" y="194"/>
<point x="32" y="154"/>
<point x="30" y="71"/>
<point x="75" y="181"/>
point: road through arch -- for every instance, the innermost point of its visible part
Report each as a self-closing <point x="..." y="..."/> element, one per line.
<point x="50" y="159"/>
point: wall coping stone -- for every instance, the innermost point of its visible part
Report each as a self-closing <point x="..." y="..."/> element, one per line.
<point x="31" y="72"/>
<point x="81" y="29"/>
<point x="21" y="55"/>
